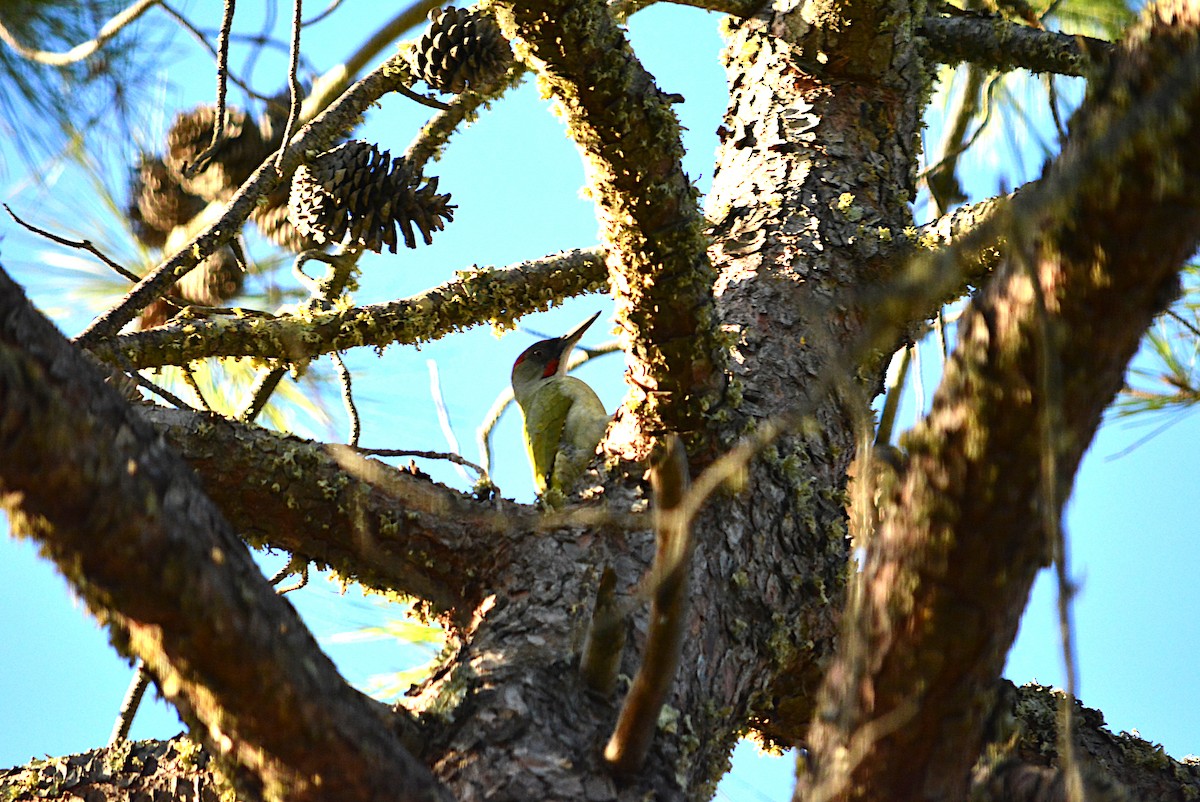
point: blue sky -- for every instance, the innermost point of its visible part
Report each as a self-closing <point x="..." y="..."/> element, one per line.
<point x="516" y="181"/>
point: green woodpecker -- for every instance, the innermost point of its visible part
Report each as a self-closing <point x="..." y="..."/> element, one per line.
<point x="564" y="418"/>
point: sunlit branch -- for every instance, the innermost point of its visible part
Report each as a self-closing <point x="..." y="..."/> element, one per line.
<point x="634" y="732"/>
<point x="85" y="49"/>
<point x="489" y="295"/>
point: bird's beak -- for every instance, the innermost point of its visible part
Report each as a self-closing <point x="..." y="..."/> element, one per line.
<point x="569" y="339"/>
<point x="576" y="334"/>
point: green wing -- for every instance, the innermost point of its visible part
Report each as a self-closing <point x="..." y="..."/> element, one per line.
<point x="544" y="422"/>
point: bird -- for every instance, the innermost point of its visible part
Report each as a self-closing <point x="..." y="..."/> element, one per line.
<point x="564" y="418"/>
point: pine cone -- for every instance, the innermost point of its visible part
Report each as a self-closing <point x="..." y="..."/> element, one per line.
<point x="157" y="203"/>
<point x="214" y="281"/>
<point x="156" y="314"/>
<point x="273" y="223"/>
<point x="238" y="154"/>
<point x="357" y="195"/>
<point x="461" y="48"/>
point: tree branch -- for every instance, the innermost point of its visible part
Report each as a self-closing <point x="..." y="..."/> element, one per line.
<point x="1002" y="45"/>
<point x="84" y="49"/>
<point x="370" y="522"/>
<point x="174" y="584"/>
<point x="650" y="222"/>
<point x="316" y="136"/>
<point x="638" y="719"/>
<point x="963" y="534"/>
<point x="499" y="295"/>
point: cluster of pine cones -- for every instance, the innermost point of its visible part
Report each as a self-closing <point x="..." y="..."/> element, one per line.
<point x="354" y="194"/>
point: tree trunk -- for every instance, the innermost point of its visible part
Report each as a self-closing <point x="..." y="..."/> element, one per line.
<point x="761" y="342"/>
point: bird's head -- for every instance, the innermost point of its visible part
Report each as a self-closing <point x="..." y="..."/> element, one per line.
<point x="545" y="359"/>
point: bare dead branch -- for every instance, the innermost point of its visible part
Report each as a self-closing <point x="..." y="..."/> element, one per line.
<point x="449" y="456"/>
<point x="82" y="244"/>
<point x="131" y="702"/>
<point x="294" y="88"/>
<point x="343" y="374"/>
<point x="218" y="132"/>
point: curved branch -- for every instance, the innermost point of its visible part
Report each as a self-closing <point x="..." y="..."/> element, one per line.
<point x="128" y="524"/>
<point x="1002" y="45"/>
<point x="498" y="295"/>
<point x="650" y="222"/>
<point x="85" y="49"/>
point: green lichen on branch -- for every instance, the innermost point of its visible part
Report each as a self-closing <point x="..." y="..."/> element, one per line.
<point x="649" y="217"/>
<point x="480" y="295"/>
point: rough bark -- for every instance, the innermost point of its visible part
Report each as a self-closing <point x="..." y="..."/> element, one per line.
<point x="125" y="520"/>
<point x="783" y="315"/>
<point x="967" y="526"/>
<point x="371" y="523"/>
<point x="1002" y="45"/>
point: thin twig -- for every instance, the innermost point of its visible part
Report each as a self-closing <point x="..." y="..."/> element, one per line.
<point x="82" y="244"/>
<point x="200" y="37"/>
<point x="189" y="378"/>
<point x="343" y="374"/>
<point x="443" y="414"/>
<point x="133" y="700"/>
<point x="329" y="9"/>
<point x="260" y="393"/>
<point x="85" y="49"/>
<point x="294" y="88"/>
<point x="1187" y="325"/>
<point x="218" y="132"/>
<point x="457" y="459"/>
<point x="142" y="381"/>
<point x="297" y="585"/>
